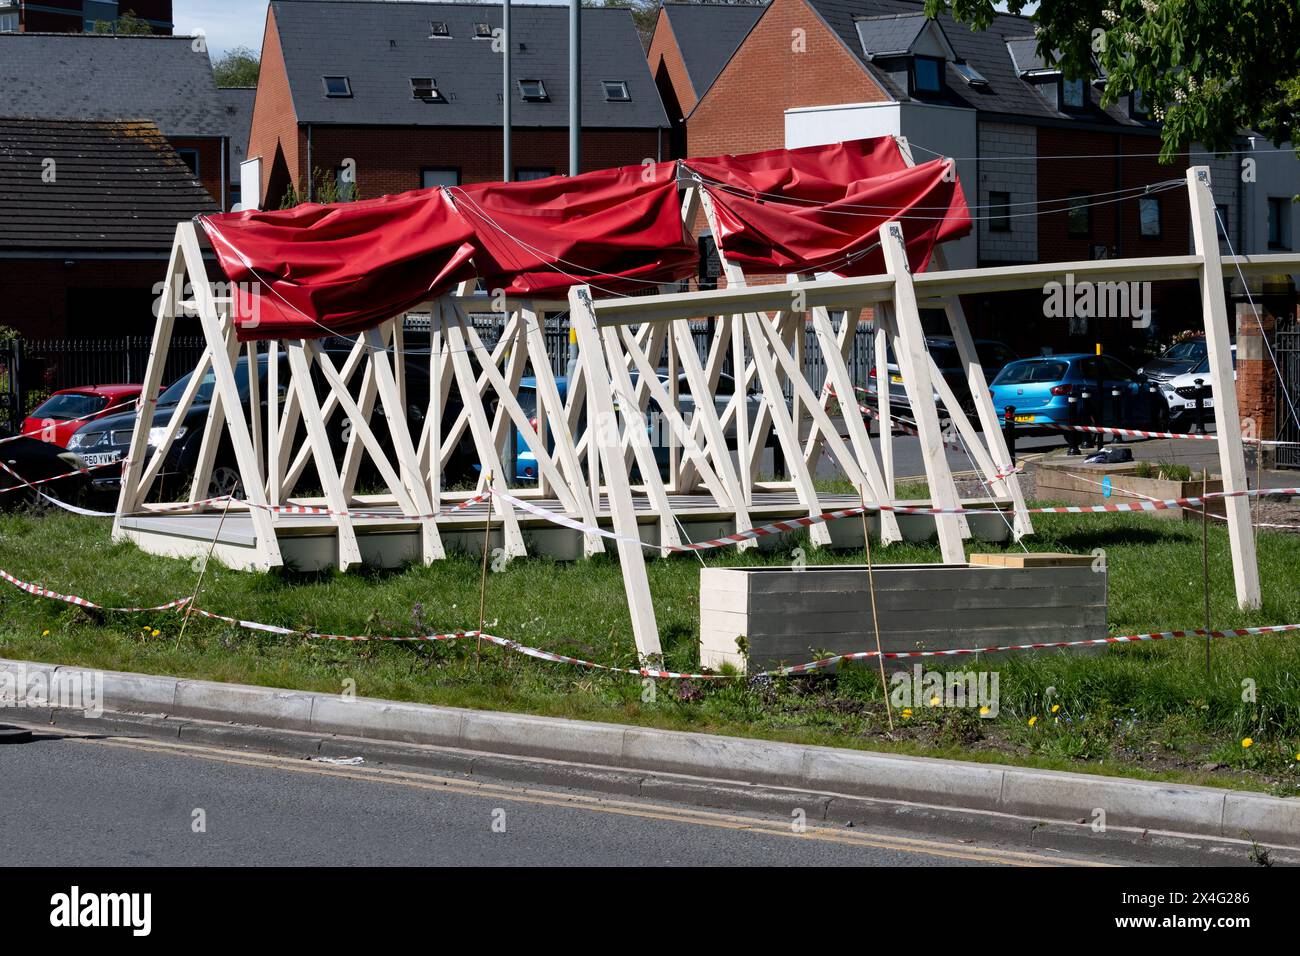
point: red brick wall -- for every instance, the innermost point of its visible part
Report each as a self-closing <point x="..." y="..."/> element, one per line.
<point x="46" y="298"/>
<point x="665" y="59"/>
<point x="744" y="109"/>
<point x="274" y="135"/>
<point x="389" y="159"/>
<point x="209" y="162"/>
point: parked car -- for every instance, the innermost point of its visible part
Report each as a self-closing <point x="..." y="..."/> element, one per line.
<point x="107" y="440"/>
<point x="525" y="460"/>
<point x="1179" y="393"/>
<point x="56" y="418"/>
<point x="993" y="356"/>
<point x="29" y="459"/>
<point x="1176" y="360"/>
<point x="1039" y="390"/>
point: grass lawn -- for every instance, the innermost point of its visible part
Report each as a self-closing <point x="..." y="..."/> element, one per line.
<point x="1142" y="710"/>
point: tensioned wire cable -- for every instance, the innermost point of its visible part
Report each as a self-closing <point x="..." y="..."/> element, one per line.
<point x="1007" y="157"/>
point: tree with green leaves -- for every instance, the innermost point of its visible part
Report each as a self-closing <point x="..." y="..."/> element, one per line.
<point x="238" y="66"/>
<point x="1206" y="69"/>
<point x="128" y="24"/>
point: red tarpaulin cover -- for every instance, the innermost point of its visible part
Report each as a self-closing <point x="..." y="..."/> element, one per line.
<point x="618" y="230"/>
<point x="317" y="270"/>
<point x="820" y="208"/>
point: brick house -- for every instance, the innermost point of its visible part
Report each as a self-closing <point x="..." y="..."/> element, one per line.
<point x="80" y="16"/>
<point x="77" y="259"/>
<point x="410" y="93"/>
<point x="690" y="45"/>
<point x="163" y="79"/>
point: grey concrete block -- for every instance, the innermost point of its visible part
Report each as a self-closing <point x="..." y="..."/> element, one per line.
<point x="239" y="703"/>
<point x="1254" y="816"/>
<point x="1127" y="803"/>
<point x="542" y="737"/>
<point x="386" y="720"/>
<point x="139" y="693"/>
<point x="896" y="777"/>
<point x="725" y="758"/>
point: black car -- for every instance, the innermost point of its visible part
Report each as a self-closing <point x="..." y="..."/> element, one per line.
<point x="107" y="440"/>
<point x="30" y="460"/>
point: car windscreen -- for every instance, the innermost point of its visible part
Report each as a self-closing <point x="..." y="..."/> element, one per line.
<point x="1029" y="373"/>
<point x="1186" y="352"/>
<point x="204" y="395"/>
<point x="70" y="405"/>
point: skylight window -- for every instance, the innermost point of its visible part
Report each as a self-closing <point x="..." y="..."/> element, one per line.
<point x="616" y="91"/>
<point x="426" y="88"/>
<point x="971" y="75"/>
<point x="438" y="28"/>
<point x="337" y="85"/>
<point x="483" y="31"/>
<point x="533" y="90"/>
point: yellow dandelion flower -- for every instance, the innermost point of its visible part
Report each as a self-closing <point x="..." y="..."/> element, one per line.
<point x="1032" y="721"/>
<point x="1246" y="742"/>
<point x="155" y="632"/>
<point x="907" y="711"/>
<point x="1055" y="708"/>
<point x="984" y="711"/>
<point x="45" y="633"/>
<point x="934" y="701"/>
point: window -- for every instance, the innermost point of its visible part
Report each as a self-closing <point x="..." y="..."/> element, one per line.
<point x="337" y="85"/>
<point x="1149" y="217"/>
<point x="426" y="88"/>
<point x="1137" y="104"/>
<point x="1074" y="94"/>
<point x="616" y="91"/>
<point x="1078" y="218"/>
<point x="191" y="159"/>
<point x="525" y="173"/>
<point x="999" y="212"/>
<point x="927" y="74"/>
<point x="483" y="31"/>
<point x="446" y="176"/>
<point x="971" y="75"/>
<point x="1221" y="220"/>
<point x="8" y="23"/>
<point x="438" y="28"/>
<point x="1279" y="222"/>
<point x="533" y="90"/>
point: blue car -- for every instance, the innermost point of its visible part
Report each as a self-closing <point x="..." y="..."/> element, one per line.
<point x="1039" y="391"/>
<point x="525" y="460"/>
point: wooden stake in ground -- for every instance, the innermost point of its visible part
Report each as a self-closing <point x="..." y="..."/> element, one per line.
<point x="875" y="619"/>
<point x="189" y="605"/>
<point x="482" y="587"/>
<point x="1205" y="560"/>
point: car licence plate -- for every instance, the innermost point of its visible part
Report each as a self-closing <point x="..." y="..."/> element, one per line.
<point x="101" y="458"/>
<point x="896" y="379"/>
<point x="1024" y="418"/>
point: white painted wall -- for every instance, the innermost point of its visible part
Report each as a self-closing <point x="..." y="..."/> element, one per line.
<point x="944" y="129"/>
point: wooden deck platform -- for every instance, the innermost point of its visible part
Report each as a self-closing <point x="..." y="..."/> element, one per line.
<point x="309" y="542"/>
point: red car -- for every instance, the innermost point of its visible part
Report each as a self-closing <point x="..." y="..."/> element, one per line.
<point x="56" y="418"/>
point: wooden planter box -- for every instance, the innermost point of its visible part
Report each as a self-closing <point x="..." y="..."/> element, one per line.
<point x="1078" y="484"/>
<point x="784" y="613"/>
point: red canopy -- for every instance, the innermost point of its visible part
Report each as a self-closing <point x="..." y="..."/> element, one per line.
<point x="318" y="270"/>
<point x="820" y="208"/>
<point x="618" y="230"/>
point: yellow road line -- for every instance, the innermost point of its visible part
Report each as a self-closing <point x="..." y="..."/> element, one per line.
<point x="644" y="810"/>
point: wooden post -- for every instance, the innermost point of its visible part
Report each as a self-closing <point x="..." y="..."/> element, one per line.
<point x="1218" y="342"/>
<point x="607" y="446"/>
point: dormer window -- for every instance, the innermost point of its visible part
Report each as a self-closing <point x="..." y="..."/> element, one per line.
<point x="1137" y="105"/>
<point x="1074" y="94"/>
<point x="438" y="28"/>
<point x="927" y="74"/>
<point x="483" y="31"/>
<point x="533" y="91"/>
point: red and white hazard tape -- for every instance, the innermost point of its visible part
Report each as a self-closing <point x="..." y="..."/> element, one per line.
<point x="44" y="592"/>
<point x="1126" y="639"/>
<point x="64" y="421"/>
<point x="539" y="654"/>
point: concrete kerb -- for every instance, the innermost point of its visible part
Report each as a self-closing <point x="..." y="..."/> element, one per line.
<point x="1044" y="794"/>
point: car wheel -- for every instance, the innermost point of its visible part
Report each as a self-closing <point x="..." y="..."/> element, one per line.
<point x="225" y="480"/>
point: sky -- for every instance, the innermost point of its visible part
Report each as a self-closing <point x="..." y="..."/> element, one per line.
<point x="232" y="23"/>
